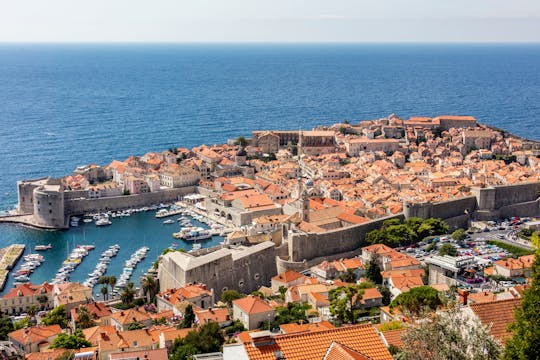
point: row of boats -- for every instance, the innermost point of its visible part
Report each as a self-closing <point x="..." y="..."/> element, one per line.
<point x="72" y="261"/>
<point x="104" y="218"/>
<point x="129" y="267"/>
<point x="101" y="267"/>
<point x="31" y="262"/>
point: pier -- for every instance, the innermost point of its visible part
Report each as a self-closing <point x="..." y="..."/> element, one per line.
<point x="8" y="258"/>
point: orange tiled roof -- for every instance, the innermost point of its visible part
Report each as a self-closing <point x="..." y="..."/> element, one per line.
<point x="218" y="315"/>
<point x="336" y="351"/>
<point x="35" y="334"/>
<point x="288" y="276"/>
<point x="393" y="337"/>
<point x="29" y="290"/>
<point x="129" y="316"/>
<point x="252" y="305"/>
<point x="498" y="314"/>
<point x="295" y="328"/>
<point x="313" y="345"/>
<point x="154" y="354"/>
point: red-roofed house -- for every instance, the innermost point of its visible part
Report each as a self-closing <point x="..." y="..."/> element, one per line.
<point x="287" y="279"/>
<point x="21" y="297"/>
<point x="252" y="311"/>
<point x="33" y="339"/>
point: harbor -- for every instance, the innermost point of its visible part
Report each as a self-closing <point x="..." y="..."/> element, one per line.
<point x="141" y="228"/>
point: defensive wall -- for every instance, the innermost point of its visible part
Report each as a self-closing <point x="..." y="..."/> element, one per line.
<point x="303" y="246"/>
<point x="514" y="200"/>
<point x="82" y="206"/>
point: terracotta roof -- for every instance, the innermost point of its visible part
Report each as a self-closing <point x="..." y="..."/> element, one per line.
<point x="34" y="334"/>
<point x="252" y="305"/>
<point x="371" y="293"/>
<point x="288" y="276"/>
<point x="393" y="337"/>
<point x="93" y="334"/>
<point x="185" y="293"/>
<point x="29" y="290"/>
<point x="154" y="354"/>
<point x="336" y="351"/>
<point x="129" y="316"/>
<point x="497" y="314"/>
<point x="96" y="309"/>
<point x="314" y="345"/>
<point x="219" y="315"/>
<point x="295" y="328"/>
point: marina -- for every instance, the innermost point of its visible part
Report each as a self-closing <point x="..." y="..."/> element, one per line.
<point x="131" y="232"/>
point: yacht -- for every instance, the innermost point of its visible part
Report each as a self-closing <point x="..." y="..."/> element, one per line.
<point x="169" y="221"/>
<point x="197" y="235"/>
<point x="42" y="247"/>
<point x="104" y="221"/>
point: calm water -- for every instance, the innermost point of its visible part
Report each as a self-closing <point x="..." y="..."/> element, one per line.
<point x="131" y="233"/>
<point x="68" y="105"/>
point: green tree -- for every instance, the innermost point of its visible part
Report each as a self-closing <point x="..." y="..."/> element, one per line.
<point x="292" y="312"/>
<point x="6" y="326"/>
<point x="73" y="341"/>
<point x="449" y="336"/>
<point x="23" y="323"/>
<point x="241" y="141"/>
<point x="189" y="317"/>
<point x="376" y="237"/>
<point x="418" y="300"/>
<point x="447" y="249"/>
<point x="432" y="227"/>
<point x="373" y="270"/>
<point x="235" y="327"/>
<point x="349" y="276"/>
<point x="128" y="294"/>
<point x="228" y="296"/>
<point x="282" y="291"/>
<point x="386" y="294"/>
<point x="149" y="287"/>
<point x="56" y="316"/>
<point x="525" y="341"/>
<point x="206" y="339"/>
<point x="112" y="281"/>
<point x="84" y="318"/>
<point x="459" y="235"/>
<point x="343" y="301"/>
<point x="105" y="292"/>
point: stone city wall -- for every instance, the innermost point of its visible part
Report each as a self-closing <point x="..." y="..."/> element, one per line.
<point x="310" y="246"/>
<point x="82" y="206"/>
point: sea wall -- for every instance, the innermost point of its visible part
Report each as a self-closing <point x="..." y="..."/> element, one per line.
<point x="82" y="206"/>
<point x="303" y="246"/>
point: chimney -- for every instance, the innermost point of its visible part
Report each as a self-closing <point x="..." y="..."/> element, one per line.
<point x="463" y="294"/>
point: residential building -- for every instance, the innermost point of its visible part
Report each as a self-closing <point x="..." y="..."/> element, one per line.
<point x="252" y="312"/>
<point x="35" y="338"/>
<point x="20" y="298"/>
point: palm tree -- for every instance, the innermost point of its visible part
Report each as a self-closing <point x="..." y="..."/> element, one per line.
<point x="149" y="287"/>
<point x="105" y="292"/>
<point x="128" y="294"/>
<point x="84" y="319"/>
<point x="112" y="283"/>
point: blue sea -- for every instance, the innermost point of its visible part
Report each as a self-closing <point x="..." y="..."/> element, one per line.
<point x="67" y="105"/>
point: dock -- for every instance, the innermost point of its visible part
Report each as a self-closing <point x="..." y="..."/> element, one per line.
<point x="8" y="258"/>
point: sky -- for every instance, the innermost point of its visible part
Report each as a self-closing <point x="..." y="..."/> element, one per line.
<point x="270" y="21"/>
